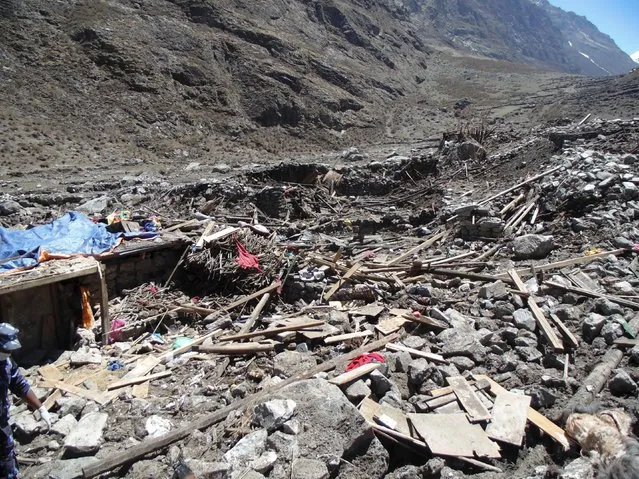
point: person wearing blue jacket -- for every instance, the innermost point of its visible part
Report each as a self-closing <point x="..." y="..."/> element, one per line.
<point x="11" y="380"/>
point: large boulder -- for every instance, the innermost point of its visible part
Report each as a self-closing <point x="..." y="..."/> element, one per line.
<point x="332" y="428"/>
<point x="86" y="438"/>
<point x="532" y="246"/>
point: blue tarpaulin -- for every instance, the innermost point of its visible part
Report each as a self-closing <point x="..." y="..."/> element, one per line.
<point x="71" y="234"/>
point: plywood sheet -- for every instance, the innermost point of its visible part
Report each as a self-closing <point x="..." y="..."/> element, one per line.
<point x="510" y="413"/>
<point x="453" y="435"/>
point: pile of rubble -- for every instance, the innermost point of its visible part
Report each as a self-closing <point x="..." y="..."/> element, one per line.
<point x="338" y="343"/>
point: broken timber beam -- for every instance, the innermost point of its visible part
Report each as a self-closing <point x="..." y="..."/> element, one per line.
<point x="271" y="331"/>
<point x="542" y="322"/>
<point x="593" y="294"/>
<point x="426" y="244"/>
<point x="136" y="452"/>
<point x="595" y="381"/>
<point x="234" y="304"/>
<point x="340" y="282"/>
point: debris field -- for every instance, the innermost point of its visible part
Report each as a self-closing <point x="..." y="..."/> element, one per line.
<point x="460" y="310"/>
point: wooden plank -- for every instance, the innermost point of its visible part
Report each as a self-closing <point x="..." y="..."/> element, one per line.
<point x="19" y="281"/>
<point x="141" y="391"/>
<point x="142" y="379"/>
<point x="541" y="320"/>
<point x="229" y="230"/>
<point x="273" y="331"/>
<point x="207" y="230"/>
<point x="475" y="409"/>
<point x="50" y="373"/>
<point x="390" y="325"/>
<point x="354" y="374"/>
<point x="539" y="420"/>
<point x="453" y="435"/>
<point x="237" y="348"/>
<point x="426" y="244"/>
<point x="570" y="338"/>
<point x="133" y="453"/>
<point x="340" y="282"/>
<point x="347" y="336"/>
<point x="234" y="304"/>
<point x="76" y="391"/>
<point x="510" y="413"/>
<point x="170" y="355"/>
<point x="626" y="342"/>
<point x="104" y="305"/>
<point x="427" y="321"/>
<point x="593" y="294"/>
<point x="142" y="367"/>
<point x="370" y="310"/>
<point x="448" y="398"/>
<point x="416" y="352"/>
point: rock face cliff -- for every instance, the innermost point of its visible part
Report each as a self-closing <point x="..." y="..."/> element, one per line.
<point x="528" y="31"/>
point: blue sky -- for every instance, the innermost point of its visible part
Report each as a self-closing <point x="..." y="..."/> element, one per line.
<point x="617" y="18"/>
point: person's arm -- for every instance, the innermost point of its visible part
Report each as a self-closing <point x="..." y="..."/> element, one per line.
<point x="20" y="387"/>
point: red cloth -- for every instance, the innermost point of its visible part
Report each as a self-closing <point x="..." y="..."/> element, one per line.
<point x="245" y="259"/>
<point x="365" y="359"/>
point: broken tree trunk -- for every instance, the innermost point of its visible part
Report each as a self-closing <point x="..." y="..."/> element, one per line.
<point x="136" y="452"/>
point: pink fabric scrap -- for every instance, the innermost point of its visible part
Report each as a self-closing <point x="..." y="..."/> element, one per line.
<point x="365" y="359"/>
<point x="245" y="259"/>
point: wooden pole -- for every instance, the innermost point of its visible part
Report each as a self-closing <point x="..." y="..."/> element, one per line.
<point x="104" y="306"/>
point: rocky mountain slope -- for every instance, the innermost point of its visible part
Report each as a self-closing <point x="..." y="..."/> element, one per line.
<point x="528" y="31"/>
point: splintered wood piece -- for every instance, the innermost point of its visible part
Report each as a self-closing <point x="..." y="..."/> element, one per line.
<point x="540" y="318"/>
<point x="50" y="372"/>
<point x="426" y="244"/>
<point x="453" y="435"/>
<point x="390" y="325"/>
<point x="370" y="310"/>
<point x="140" y="391"/>
<point x="475" y="408"/>
<point x="370" y="410"/>
<point x="449" y="396"/>
<point x="76" y="391"/>
<point x="327" y="330"/>
<point x="130" y="382"/>
<point x="340" y="282"/>
<point x="626" y="342"/>
<point x="538" y="419"/>
<point x="271" y="331"/>
<point x="347" y="336"/>
<point x="510" y="413"/>
<point x="565" y="332"/>
<point x="236" y="348"/>
<point x="416" y="352"/>
<point x="353" y="374"/>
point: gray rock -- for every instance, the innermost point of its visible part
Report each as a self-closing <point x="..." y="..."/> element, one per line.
<point x="612" y="330"/>
<point x="71" y="405"/>
<point x="96" y="205"/>
<point x="496" y="290"/>
<point x="398" y="362"/>
<point x="289" y="363"/>
<point x="357" y="391"/>
<point x="501" y="309"/>
<point x="470" y="150"/>
<point x="523" y="319"/>
<point x="455" y="343"/>
<point x="418" y="371"/>
<point x="458" y="321"/>
<point x="580" y="468"/>
<point x="541" y="397"/>
<point x="591" y="326"/>
<point x="621" y="383"/>
<point x="85" y="355"/>
<point x="246" y="449"/>
<point x="209" y="470"/>
<point x="414" y="342"/>
<point x="309" y="469"/>
<point x="65" y="425"/>
<point x="71" y="468"/>
<point x="380" y="384"/>
<point x="462" y="363"/>
<point x="331" y="427"/>
<point x="285" y="445"/>
<point x="27" y="426"/>
<point x="628" y="159"/>
<point x="526" y="341"/>
<point x="264" y="463"/>
<point x="621" y="242"/>
<point x="633" y="355"/>
<point x="273" y="414"/>
<point x="607" y="307"/>
<point x="86" y="437"/>
<point x="568" y="313"/>
<point x="9" y="207"/>
<point x="529" y="354"/>
<point x="532" y="246"/>
<point x="157" y="426"/>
